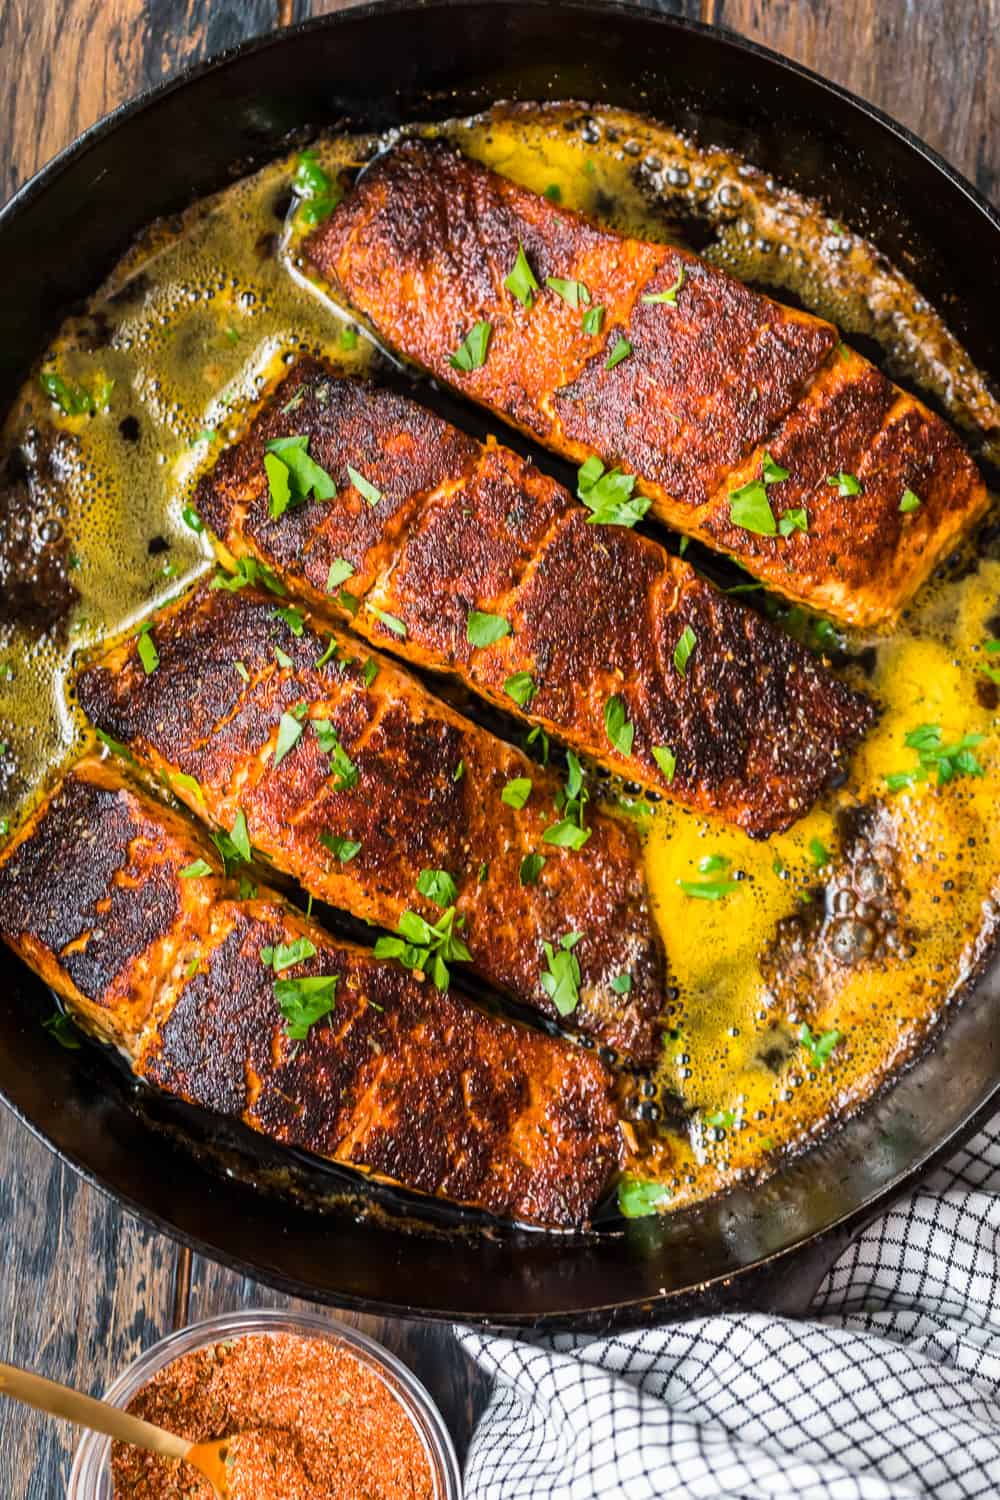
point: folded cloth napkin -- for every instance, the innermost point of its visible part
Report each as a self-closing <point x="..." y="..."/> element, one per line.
<point x="890" y="1390"/>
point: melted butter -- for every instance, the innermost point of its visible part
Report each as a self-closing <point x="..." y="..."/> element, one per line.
<point x="200" y="318"/>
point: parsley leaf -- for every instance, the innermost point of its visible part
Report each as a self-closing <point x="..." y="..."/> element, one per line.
<point x="364" y="487"/>
<point x="289" y="734"/>
<point x="593" y="319"/>
<point x="621" y="351"/>
<point x="666" y="760"/>
<point x="845" y="484"/>
<point x="195" y="870"/>
<point x="483" y="629"/>
<point x="72" y="399"/>
<point x="793" y="520"/>
<point x="342" y="849"/>
<point x="303" y="1002"/>
<point x="949" y="761"/>
<point x="191" y="519"/>
<point x="521" y="281"/>
<point x="342" y="766"/>
<point x="391" y="622"/>
<point x="521" y="688"/>
<point x="622" y="984"/>
<point x="61" y="1028"/>
<point x="146" y="647"/>
<point x="619" y="730"/>
<point x="910" y="502"/>
<point x="686" y="643"/>
<point x="340" y="571"/>
<point x="437" y="886"/>
<point x="471" y="352"/>
<point x="293" y="476"/>
<point x="517" y="792"/>
<point x="284" y="955"/>
<point x="607" y="494"/>
<point x="293" y="618"/>
<point x="248" y="571"/>
<point x="670" y="295"/>
<point x="818" y="1047"/>
<point x="574" y="293"/>
<point x="710" y="890"/>
<point x="561" y="981"/>
<point x="639" y="1197"/>
<point x="429" y="947"/>
<point x="771" y="472"/>
<point x="750" y="509"/>
<point x="531" y="867"/>
<point x="566" y="834"/>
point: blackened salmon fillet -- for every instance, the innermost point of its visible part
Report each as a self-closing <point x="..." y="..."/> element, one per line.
<point x="448" y="538"/>
<point x="382" y="800"/>
<point x="748" y="424"/>
<point x="122" y="907"/>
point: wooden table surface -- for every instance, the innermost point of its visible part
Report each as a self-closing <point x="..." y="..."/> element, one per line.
<point x="85" y="1286"/>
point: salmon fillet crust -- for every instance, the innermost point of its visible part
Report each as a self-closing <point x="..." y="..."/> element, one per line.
<point x="382" y="800"/>
<point x="398" y="1080"/>
<point x="711" y="386"/>
<point x="749" y="727"/>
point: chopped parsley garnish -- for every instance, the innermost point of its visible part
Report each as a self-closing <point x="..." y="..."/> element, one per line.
<point x="471" y="352"/>
<point x="593" y="319"/>
<point x="553" y="192"/>
<point x="686" y="643"/>
<point x="819" y="853"/>
<point x="607" y="494"/>
<point x="340" y="571"/>
<point x="670" y="295"/>
<point x="249" y="571"/>
<point x="845" y="484"/>
<point x="289" y="734"/>
<point x="621" y="351"/>
<point x="793" y="520"/>
<point x="538" y="733"/>
<point x="771" y="472"/>
<point x="342" y="849"/>
<point x="72" y="398"/>
<point x="483" y="630"/>
<point x="180" y="781"/>
<point x="566" y="834"/>
<point x="988" y="670"/>
<point x="364" y="487"/>
<point x="116" y="746"/>
<point x="574" y="293"/>
<point x="438" y="886"/>
<point x="284" y="955"/>
<point x="428" y="947"/>
<point x="710" y="890"/>
<point x="521" y="688"/>
<point x="949" y="761"/>
<point x="60" y="1027"/>
<point x="531" y="867"/>
<point x="750" y="509"/>
<point x="292" y="476"/>
<point x="206" y="435"/>
<point x="459" y="771"/>
<point x="303" y="1002"/>
<point x="349" y="338"/>
<point x="910" y="501"/>
<point x="666" y="760"/>
<point x="521" y="281"/>
<point x="293" y="618"/>
<point x="391" y="622"/>
<point x="191" y="518"/>
<point x="818" y="1047"/>
<point x="369" y="672"/>
<point x="146" y="647"/>
<point x="617" y="726"/>
<point x="342" y="767"/>
<point x="234" y="847"/>
<point x="282" y="657"/>
<point x="622" y="984"/>
<point x="721" y="1119"/>
<point x="195" y="870"/>
<point x="319" y="192"/>
<point x="517" y="792"/>
<point x="561" y="981"/>
<point x="638" y="1197"/>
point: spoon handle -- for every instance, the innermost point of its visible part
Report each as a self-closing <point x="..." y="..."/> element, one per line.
<point x="85" y="1411"/>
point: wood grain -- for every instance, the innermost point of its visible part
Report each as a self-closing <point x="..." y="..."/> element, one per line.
<point x="85" y="1286"/>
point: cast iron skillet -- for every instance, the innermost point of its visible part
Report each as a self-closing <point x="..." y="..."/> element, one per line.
<point x="378" y="65"/>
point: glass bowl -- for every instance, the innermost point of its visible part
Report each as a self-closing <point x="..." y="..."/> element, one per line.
<point x="91" y="1475"/>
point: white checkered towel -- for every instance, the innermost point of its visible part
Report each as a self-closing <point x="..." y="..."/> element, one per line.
<point x="892" y="1390"/>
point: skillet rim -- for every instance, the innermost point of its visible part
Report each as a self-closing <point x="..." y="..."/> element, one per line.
<point x="823" y="1242"/>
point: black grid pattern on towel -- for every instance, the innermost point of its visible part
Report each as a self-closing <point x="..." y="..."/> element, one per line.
<point x="890" y="1390"/>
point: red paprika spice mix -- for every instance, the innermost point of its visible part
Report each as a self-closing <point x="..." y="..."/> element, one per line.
<point x="313" y="1423"/>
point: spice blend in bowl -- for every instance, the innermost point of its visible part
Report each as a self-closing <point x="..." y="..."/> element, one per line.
<point x="315" y="1412"/>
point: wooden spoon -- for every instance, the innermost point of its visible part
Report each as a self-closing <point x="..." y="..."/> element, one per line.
<point x="62" y="1401"/>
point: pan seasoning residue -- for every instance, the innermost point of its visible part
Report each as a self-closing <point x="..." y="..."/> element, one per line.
<point x="805" y="970"/>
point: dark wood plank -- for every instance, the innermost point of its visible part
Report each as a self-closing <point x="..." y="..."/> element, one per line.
<point x="430" y="1350"/>
<point x="934" y="65"/>
<point x="85" y="1288"/>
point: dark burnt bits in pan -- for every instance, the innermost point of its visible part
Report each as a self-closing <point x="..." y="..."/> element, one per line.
<point x="732" y="410"/>
<point x="243" y="1006"/>
<point x="378" y="798"/>
<point x="492" y="571"/>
